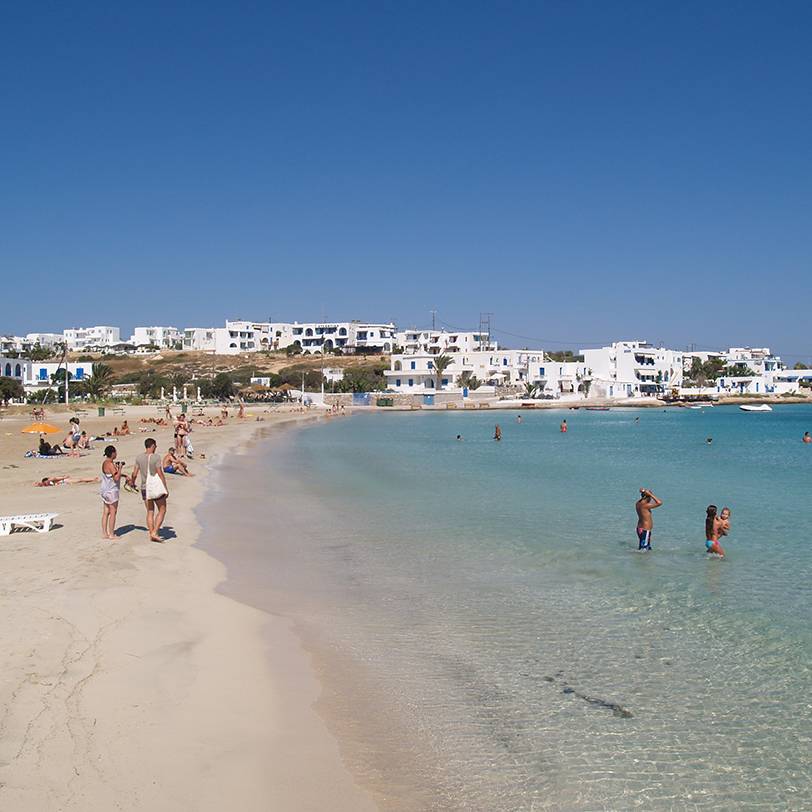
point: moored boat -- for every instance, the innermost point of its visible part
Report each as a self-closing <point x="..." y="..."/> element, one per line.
<point x="762" y="407"/>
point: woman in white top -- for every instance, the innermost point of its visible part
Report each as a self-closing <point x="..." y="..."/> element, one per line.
<point x="110" y="490"/>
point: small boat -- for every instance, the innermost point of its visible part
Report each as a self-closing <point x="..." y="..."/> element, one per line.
<point x="597" y="408"/>
<point x="762" y="407"/>
<point x="694" y="407"/>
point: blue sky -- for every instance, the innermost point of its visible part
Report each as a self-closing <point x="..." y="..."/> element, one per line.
<point x="585" y="171"/>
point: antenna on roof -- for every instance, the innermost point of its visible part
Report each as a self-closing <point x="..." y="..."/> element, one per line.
<point x="433" y="320"/>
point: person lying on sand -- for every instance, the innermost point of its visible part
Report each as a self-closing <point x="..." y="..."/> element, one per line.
<point x="51" y="481"/>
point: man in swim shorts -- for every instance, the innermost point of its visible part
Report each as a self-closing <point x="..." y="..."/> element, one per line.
<point x="644" y="505"/>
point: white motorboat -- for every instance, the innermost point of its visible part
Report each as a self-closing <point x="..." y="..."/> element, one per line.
<point x="762" y="407"/>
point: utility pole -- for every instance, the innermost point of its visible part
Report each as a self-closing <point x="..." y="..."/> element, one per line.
<point x="484" y="327"/>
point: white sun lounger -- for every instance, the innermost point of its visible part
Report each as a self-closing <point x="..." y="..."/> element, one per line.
<point x="41" y="522"/>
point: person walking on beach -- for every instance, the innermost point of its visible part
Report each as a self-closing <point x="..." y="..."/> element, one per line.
<point x="154" y="490"/>
<point x="110" y="491"/>
<point x="644" y="505"/>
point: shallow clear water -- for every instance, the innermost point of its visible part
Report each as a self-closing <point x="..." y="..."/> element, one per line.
<point x="489" y="636"/>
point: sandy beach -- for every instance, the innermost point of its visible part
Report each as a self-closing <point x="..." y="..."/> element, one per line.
<point x="128" y="682"/>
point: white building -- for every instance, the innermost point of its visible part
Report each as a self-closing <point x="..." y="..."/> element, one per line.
<point x="17" y="368"/>
<point x="434" y="342"/>
<point x="630" y="369"/>
<point x="199" y="338"/>
<point x="36" y="375"/>
<point x="325" y="337"/>
<point x="759" y="359"/>
<point x="10" y="344"/>
<point x="165" y="338"/>
<point x="241" y="336"/>
<point x="416" y="373"/>
<point x="45" y="340"/>
<point x="81" y="338"/>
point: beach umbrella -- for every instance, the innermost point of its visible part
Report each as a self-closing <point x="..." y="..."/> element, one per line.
<point x="40" y="428"/>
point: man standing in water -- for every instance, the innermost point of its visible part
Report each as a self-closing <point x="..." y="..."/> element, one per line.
<point x="644" y="505"/>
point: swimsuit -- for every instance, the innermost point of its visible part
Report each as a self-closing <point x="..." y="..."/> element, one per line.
<point x="644" y="538"/>
<point x="169" y="469"/>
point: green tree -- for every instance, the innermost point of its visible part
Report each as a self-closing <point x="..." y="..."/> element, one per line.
<point x="467" y="380"/>
<point x="38" y="353"/>
<point x="799" y="365"/>
<point x="742" y="370"/>
<point x="150" y="384"/>
<point x="222" y="387"/>
<point x="441" y="364"/>
<point x="58" y="380"/>
<point x="100" y="381"/>
<point x="11" y="389"/>
<point x="530" y="389"/>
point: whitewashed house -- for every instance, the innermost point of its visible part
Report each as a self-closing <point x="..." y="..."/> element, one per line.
<point x="199" y="338"/>
<point x="631" y="369"/>
<point x="434" y="342"/>
<point x="165" y="338"/>
<point x="82" y="338"/>
<point x="45" y="340"/>
<point x="326" y="337"/>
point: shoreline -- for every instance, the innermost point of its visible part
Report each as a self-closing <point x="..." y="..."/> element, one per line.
<point x="131" y="681"/>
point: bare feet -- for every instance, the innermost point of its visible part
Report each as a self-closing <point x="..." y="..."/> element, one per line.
<point x="156" y="538"/>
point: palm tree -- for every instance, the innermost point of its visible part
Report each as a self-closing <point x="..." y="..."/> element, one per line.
<point x="441" y="364"/>
<point x="468" y="380"/>
<point x="99" y="382"/>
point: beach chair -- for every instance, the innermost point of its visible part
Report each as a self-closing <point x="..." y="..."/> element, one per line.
<point x="41" y="522"/>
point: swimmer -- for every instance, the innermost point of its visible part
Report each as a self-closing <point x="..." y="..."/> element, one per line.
<point x="497" y="433"/>
<point x="644" y="505"/>
<point x="806" y="438"/>
<point x="713" y="529"/>
<point x="563" y="426"/>
<point x="709" y="440"/>
<point x="459" y="438"/>
<point x="518" y="418"/>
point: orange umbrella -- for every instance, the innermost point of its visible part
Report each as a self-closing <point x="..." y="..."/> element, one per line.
<point x="40" y="428"/>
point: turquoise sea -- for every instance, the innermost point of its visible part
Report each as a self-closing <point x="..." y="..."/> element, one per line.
<point x="490" y="638"/>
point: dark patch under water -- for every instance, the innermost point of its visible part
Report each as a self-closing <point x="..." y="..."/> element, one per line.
<point x="617" y="710"/>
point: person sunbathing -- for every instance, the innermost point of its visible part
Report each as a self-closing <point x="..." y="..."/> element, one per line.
<point x="124" y="430"/>
<point x="51" y="481"/>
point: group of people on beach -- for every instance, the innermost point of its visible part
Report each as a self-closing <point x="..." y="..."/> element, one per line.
<point x="149" y="466"/>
